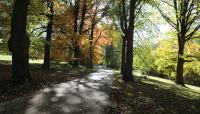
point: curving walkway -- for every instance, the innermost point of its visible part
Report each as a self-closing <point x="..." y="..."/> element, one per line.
<point x="88" y="95"/>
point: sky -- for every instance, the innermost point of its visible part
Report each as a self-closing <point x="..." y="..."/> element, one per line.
<point x="164" y="28"/>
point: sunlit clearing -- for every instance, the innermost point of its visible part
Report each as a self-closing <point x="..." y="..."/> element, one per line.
<point x="190" y="92"/>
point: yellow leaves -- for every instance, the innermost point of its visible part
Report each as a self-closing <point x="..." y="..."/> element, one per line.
<point x="98" y="55"/>
<point x="60" y="7"/>
<point x="192" y="48"/>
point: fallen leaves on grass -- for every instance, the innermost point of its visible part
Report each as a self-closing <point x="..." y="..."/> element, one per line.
<point x="140" y="98"/>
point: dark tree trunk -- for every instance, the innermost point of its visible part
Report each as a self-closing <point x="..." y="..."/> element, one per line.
<point x="76" y="46"/>
<point x="76" y="50"/>
<point x="76" y="15"/>
<point x="47" y="48"/>
<point x="91" y="55"/>
<point x="84" y="10"/>
<point x="180" y="63"/>
<point x="19" y="42"/>
<point x="91" y="47"/>
<point x="123" y="54"/>
<point x="127" y="76"/>
<point x="76" y="54"/>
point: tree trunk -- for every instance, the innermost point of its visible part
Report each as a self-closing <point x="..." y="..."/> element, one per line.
<point x="76" y="54"/>
<point x="91" y="56"/>
<point x="123" y="54"/>
<point x="180" y="63"/>
<point x="19" y="42"/>
<point x="127" y="76"/>
<point x="76" y="46"/>
<point x="84" y="10"/>
<point x="47" y="48"/>
<point x="76" y="15"/>
<point x="91" y="47"/>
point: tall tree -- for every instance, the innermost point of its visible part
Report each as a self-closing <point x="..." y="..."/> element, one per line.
<point x="127" y="75"/>
<point x="135" y="7"/>
<point x="187" y="16"/>
<point x="124" y="19"/>
<point x="79" y="8"/>
<point x="97" y="14"/>
<point x="49" y="30"/>
<point x="124" y="26"/>
<point x="19" y="42"/>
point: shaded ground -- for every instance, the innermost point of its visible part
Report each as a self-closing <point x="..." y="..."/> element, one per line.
<point x="41" y="79"/>
<point x="153" y="96"/>
<point x="88" y="95"/>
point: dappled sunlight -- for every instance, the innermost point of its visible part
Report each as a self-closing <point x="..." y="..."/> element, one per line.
<point x="88" y="94"/>
<point x="9" y="59"/>
<point x="99" y="75"/>
<point x="194" y="88"/>
<point x="190" y="92"/>
<point x="37" y="101"/>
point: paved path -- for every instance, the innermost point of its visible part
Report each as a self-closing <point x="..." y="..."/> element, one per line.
<point x="88" y="95"/>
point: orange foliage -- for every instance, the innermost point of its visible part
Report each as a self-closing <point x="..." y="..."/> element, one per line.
<point x="64" y="38"/>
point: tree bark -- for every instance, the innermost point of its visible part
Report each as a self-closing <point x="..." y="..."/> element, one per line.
<point x="91" y="55"/>
<point x="47" y="48"/>
<point x="179" y="77"/>
<point x="76" y="54"/>
<point x="123" y="54"/>
<point x="76" y="15"/>
<point x="180" y="62"/>
<point x="127" y="76"/>
<point x="91" y="47"/>
<point x="19" y="43"/>
<point x="84" y="10"/>
<point x="76" y="46"/>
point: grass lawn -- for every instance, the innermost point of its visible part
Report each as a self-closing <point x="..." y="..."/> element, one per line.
<point x="153" y="95"/>
<point x="7" y="59"/>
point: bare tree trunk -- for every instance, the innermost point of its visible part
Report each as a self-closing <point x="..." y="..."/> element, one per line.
<point x="91" y="56"/>
<point x="127" y="76"/>
<point x="180" y="63"/>
<point x="47" y="48"/>
<point x="76" y="15"/>
<point x="84" y="10"/>
<point x="123" y="55"/>
<point x="76" y="54"/>
<point x="19" y="42"/>
<point x="91" y="44"/>
<point x="77" y="48"/>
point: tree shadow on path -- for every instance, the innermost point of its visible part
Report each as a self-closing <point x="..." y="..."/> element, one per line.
<point x="86" y="95"/>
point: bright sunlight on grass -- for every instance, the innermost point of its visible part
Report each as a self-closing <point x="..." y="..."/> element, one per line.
<point x="8" y="59"/>
<point x="189" y="91"/>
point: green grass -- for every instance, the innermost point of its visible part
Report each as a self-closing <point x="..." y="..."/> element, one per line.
<point x="153" y="95"/>
<point x="189" y="91"/>
<point x="8" y="59"/>
<point x="5" y="58"/>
